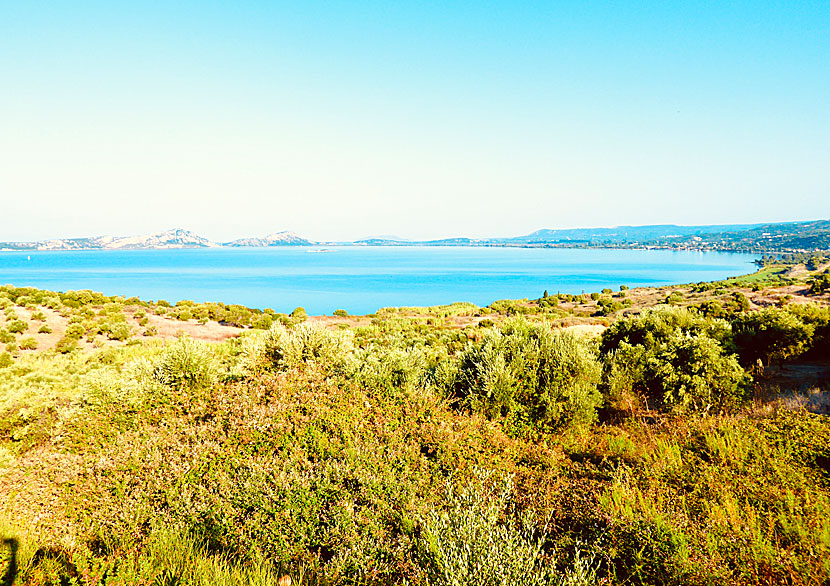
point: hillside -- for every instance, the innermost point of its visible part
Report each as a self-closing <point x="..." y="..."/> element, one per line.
<point x="644" y="436"/>
<point x="764" y="238"/>
<point x="276" y="239"/>
<point x="176" y="238"/>
<point x="792" y="237"/>
<point x="625" y="234"/>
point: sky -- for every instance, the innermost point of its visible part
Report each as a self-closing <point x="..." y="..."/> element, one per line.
<point x="345" y="120"/>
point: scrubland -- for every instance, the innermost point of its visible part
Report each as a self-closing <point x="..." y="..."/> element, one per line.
<point x="682" y="439"/>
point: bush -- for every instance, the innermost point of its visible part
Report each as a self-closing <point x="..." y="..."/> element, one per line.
<point x="735" y="303"/>
<point x="479" y="541"/>
<point x="672" y="358"/>
<point x="119" y="331"/>
<point x="299" y="314"/>
<point x="263" y="322"/>
<point x="281" y="348"/>
<point x="770" y="334"/>
<point x="820" y="284"/>
<point x="6" y="359"/>
<point x="531" y="373"/>
<point x="44" y="329"/>
<point x="18" y="326"/>
<point x="654" y="327"/>
<point x="66" y="345"/>
<point x="75" y="331"/>
<point x="6" y="336"/>
<point x="186" y="364"/>
<point x="817" y="318"/>
<point x="341" y="313"/>
<point x="693" y="373"/>
<point x="28" y="343"/>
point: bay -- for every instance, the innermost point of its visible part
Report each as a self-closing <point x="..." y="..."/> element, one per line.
<point x="360" y="279"/>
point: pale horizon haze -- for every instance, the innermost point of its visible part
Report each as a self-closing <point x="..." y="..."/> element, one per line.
<point x="424" y="120"/>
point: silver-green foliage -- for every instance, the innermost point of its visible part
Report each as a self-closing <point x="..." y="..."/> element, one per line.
<point x="280" y="348"/>
<point x="478" y="541"/>
<point x="547" y="377"/>
<point x="186" y="363"/>
<point x="379" y="367"/>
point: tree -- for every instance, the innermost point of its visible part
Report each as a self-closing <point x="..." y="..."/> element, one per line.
<point x="673" y="358"/>
<point x="770" y="334"/>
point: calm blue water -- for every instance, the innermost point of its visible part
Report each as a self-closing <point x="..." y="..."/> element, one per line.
<point x="360" y="279"/>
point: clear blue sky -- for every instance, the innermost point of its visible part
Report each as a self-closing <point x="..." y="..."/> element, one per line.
<point x="425" y="119"/>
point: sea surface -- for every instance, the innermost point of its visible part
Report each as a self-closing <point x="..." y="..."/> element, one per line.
<point x="360" y="279"/>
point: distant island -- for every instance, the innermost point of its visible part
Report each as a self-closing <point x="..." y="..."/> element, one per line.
<point x="791" y="237"/>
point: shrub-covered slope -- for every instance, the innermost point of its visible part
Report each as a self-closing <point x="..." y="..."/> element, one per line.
<point x="421" y="454"/>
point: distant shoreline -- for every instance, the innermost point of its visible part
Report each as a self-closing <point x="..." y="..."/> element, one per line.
<point x="424" y="245"/>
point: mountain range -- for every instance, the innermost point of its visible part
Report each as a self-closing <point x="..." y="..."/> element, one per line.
<point x="790" y="236"/>
<point x="176" y="238"/>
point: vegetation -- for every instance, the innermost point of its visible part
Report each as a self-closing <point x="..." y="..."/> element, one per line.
<point x="451" y="445"/>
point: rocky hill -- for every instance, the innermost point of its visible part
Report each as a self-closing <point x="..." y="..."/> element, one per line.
<point x="284" y="238"/>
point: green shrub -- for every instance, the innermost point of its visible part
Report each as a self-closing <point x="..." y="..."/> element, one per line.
<point x="186" y="364"/>
<point x="5" y="359"/>
<point x="299" y="314"/>
<point x="770" y="334"/>
<point x="735" y="303"/>
<point x="692" y="373"/>
<point x="712" y="308"/>
<point x="6" y="336"/>
<point x="281" y="348"/>
<point x="119" y="331"/>
<point x="654" y="327"/>
<point x="341" y="313"/>
<point x="479" y="541"/>
<point x="44" y="329"/>
<point x="18" y="326"/>
<point x="263" y="322"/>
<point x="66" y="345"/>
<point x="817" y="318"/>
<point x="820" y="284"/>
<point x="28" y="343"/>
<point x="509" y="307"/>
<point x="531" y="373"/>
<point x="673" y="359"/>
<point x="75" y="331"/>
